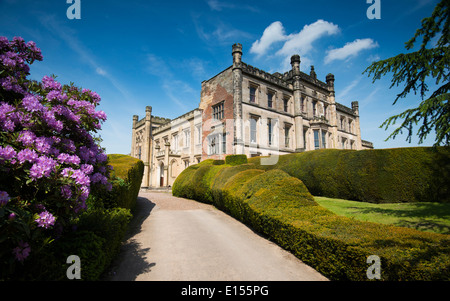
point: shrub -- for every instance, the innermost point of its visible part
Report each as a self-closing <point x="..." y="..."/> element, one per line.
<point x="416" y="174"/>
<point x="50" y="161"/>
<point x="281" y="207"/>
<point x="235" y="159"/>
<point x="126" y="177"/>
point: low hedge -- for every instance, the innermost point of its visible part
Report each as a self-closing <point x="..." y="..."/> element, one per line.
<point x="281" y="207"/>
<point x="235" y="159"/>
<point x="415" y="174"/>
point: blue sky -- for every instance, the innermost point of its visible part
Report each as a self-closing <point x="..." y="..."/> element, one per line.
<point x="137" y="53"/>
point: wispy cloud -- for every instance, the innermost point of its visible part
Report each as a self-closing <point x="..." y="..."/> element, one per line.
<point x="344" y="92"/>
<point x="217" y="5"/>
<point x="68" y="36"/>
<point x="176" y="90"/>
<point x="349" y="50"/>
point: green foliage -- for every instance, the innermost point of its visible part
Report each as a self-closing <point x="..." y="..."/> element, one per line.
<point x="126" y="179"/>
<point x="235" y="159"/>
<point x="99" y="231"/>
<point x="280" y="206"/>
<point x="416" y="174"/>
<point x="415" y="69"/>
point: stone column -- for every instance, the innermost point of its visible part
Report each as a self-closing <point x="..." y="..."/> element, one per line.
<point x="298" y="117"/>
<point x="237" y="99"/>
<point x="147" y="152"/>
<point x="355" y="108"/>
<point x="133" y="136"/>
<point x="332" y="110"/>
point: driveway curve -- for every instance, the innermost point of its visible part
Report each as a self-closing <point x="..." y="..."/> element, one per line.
<point x="176" y="239"/>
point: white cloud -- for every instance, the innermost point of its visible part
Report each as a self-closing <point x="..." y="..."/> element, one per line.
<point x="100" y="71"/>
<point x="301" y="43"/>
<point x="350" y="49"/>
<point x="272" y="34"/>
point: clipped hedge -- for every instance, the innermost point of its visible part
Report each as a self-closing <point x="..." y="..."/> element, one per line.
<point x="127" y="176"/>
<point x="416" y="174"/>
<point x="281" y="207"/>
<point x="235" y="159"/>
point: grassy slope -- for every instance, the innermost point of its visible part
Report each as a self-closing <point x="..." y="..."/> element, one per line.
<point x="431" y="217"/>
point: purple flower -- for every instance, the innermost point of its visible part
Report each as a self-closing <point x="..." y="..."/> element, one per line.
<point x="45" y="220"/>
<point x="50" y="83"/>
<point x="22" y="251"/>
<point x="31" y="103"/>
<point x="66" y="158"/>
<point x="43" y="167"/>
<point x="66" y="191"/>
<point x="4" y="198"/>
<point x="43" y="144"/>
<point x="27" y="138"/>
<point x="7" y="153"/>
<point x="87" y="168"/>
<point x="27" y="154"/>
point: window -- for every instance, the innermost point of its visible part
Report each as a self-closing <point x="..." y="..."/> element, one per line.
<point x="175" y="143"/>
<point x="139" y="152"/>
<point x="314" y="108"/>
<point x="343" y="143"/>
<point x="316" y="139"/>
<point x="302" y="104"/>
<point x="253" y="121"/>
<point x="286" y="104"/>
<point x="270" y="100"/>
<point x="187" y="138"/>
<point x="186" y="163"/>
<point x="218" y="113"/>
<point x="350" y="126"/>
<point x="252" y="94"/>
<point x="199" y="134"/>
<point x="286" y="136"/>
<point x="342" y="124"/>
<point x="217" y="144"/>
<point x="324" y="139"/>
<point x="325" y="112"/>
<point x="269" y="128"/>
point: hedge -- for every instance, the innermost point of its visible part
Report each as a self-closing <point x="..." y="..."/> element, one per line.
<point x="416" y="174"/>
<point x="280" y="206"/>
<point x="235" y="159"/>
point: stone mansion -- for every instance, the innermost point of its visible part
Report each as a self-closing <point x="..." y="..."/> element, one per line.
<point x="244" y="110"/>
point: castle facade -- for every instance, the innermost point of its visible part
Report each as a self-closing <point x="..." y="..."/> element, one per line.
<point x="245" y="110"/>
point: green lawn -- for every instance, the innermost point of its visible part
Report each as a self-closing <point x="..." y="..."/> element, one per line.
<point x="433" y="217"/>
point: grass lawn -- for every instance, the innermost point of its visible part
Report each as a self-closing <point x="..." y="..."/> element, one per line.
<point x="433" y="217"/>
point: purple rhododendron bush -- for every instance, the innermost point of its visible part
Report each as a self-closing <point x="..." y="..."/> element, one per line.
<point x="50" y="160"/>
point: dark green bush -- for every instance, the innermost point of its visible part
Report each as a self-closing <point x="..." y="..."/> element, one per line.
<point x="416" y="174"/>
<point x="127" y="178"/>
<point x="281" y="207"/>
<point x="235" y="159"/>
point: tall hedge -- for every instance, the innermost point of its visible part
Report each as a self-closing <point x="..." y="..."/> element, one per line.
<point x="416" y="174"/>
<point x="281" y="207"/>
<point x="127" y="176"/>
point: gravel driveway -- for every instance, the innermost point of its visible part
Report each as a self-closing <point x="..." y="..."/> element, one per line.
<point x="178" y="239"/>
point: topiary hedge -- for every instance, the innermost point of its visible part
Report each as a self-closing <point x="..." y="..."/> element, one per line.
<point x="416" y="174"/>
<point x="281" y="207"/>
<point x="127" y="174"/>
<point x="235" y="159"/>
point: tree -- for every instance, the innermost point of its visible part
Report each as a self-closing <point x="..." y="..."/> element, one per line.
<point x="415" y="69"/>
